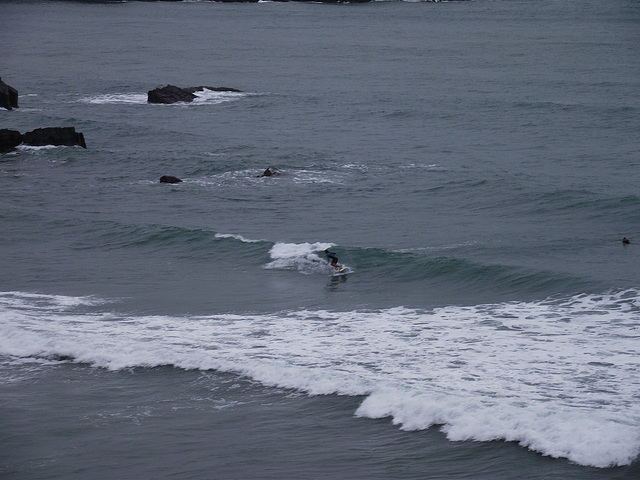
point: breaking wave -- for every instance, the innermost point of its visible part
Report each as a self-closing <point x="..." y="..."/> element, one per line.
<point x="558" y="376"/>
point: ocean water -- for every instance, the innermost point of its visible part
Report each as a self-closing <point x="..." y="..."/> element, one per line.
<point x="474" y="165"/>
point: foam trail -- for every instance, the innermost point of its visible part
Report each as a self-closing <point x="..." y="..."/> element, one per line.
<point x="46" y="303"/>
<point x="116" y="99"/>
<point x="559" y="376"/>
<point x="211" y="97"/>
<point x="204" y="97"/>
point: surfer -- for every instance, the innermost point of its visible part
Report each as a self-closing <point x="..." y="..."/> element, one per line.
<point x="625" y="241"/>
<point x="331" y="257"/>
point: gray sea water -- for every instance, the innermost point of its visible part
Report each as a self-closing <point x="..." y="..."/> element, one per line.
<point x="473" y="164"/>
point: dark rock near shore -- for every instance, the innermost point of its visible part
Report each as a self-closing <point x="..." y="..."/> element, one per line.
<point x="173" y="94"/>
<point x="169" y="179"/>
<point x="9" y="139"/>
<point x="54" y="136"/>
<point x="8" y="96"/>
<point x="170" y="94"/>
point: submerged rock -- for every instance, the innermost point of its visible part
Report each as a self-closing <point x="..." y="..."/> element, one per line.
<point x="8" y="96"/>
<point x="54" y="136"/>
<point x="169" y="179"/>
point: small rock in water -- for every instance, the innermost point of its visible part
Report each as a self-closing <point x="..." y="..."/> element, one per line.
<point x="169" y="179"/>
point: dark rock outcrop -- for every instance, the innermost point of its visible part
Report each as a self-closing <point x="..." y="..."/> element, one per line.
<point x="170" y="94"/>
<point x="8" y="96"/>
<point x="54" y="136"/>
<point x="9" y="139"/>
<point x="173" y="94"/>
<point x="169" y="179"/>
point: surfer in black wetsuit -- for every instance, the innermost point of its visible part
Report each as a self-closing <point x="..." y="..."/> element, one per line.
<point x="331" y="257"/>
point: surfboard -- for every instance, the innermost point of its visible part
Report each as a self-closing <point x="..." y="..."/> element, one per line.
<point x="341" y="271"/>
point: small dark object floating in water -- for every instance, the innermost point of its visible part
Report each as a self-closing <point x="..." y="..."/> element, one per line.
<point x="271" y="172"/>
<point x="169" y="179"/>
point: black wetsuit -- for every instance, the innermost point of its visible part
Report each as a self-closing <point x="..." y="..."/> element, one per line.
<point x="331" y="257"/>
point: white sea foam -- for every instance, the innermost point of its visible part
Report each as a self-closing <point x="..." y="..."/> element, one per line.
<point x="211" y="97"/>
<point x="116" y="99"/>
<point x="304" y="257"/>
<point x="35" y="148"/>
<point x="205" y="97"/>
<point x="253" y="177"/>
<point x="559" y="376"/>
<point x="236" y="237"/>
<point x="46" y="303"/>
